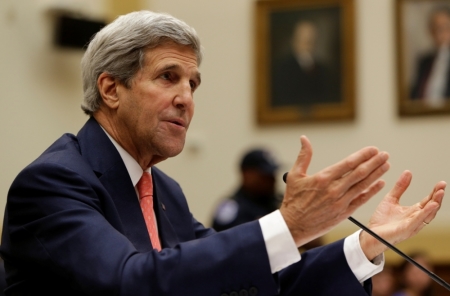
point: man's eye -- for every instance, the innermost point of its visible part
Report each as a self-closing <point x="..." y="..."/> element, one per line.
<point x="193" y="85"/>
<point x="165" y="76"/>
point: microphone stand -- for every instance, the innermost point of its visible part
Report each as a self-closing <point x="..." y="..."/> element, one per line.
<point x="433" y="276"/>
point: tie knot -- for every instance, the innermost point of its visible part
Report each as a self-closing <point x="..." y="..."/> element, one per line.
<point x="145" y="185"/>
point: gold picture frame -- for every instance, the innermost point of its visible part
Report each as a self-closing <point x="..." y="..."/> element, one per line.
<point x="423" y="56"/>
<point x="305" y="69"/>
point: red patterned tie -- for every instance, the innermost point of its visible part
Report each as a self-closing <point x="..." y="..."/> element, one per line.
<point x="145" y="189"/>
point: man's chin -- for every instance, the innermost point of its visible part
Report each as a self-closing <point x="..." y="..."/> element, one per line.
<point x="164" y="152"/>
<point x="174" y="150"/>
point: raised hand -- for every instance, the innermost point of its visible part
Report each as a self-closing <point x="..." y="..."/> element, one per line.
<point x="313" y="205"/>
<point x="396" y="223"/>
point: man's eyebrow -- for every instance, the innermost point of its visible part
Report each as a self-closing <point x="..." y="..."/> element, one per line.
<point x="170" y="67"/>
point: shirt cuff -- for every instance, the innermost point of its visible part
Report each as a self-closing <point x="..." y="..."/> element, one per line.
<point x="362" y="268"/>
<point x="280" y="245"/>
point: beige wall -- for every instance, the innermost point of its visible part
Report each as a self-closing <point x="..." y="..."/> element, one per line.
<point x="41" y="94"/>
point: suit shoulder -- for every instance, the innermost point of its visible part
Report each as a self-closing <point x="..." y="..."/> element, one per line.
<point x="65" y="144"/>
<point x="64" y="152"/>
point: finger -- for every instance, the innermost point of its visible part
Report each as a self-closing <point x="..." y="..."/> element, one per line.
<point x="430" y="209"/>
<point x="351" y="162"/>
<point x="356" y="189"/>
<point x="363" y="197"/>
<point x="304" y="157"/>
<point x="436" y="201"/>
<point x="366" y="168"/>
<point x="439" y="186"/>
<point x="401" y="185"/>
<point x="428" y="212"/>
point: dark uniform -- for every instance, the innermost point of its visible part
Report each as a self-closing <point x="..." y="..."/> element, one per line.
<point x="256" y="197"/>
<point x="241" y="208"/>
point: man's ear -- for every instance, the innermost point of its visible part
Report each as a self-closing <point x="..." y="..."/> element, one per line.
<point x="107" y="86"/>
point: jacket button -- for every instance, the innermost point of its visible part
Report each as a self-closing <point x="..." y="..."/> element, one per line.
<point x="243" y="293"/>
<point x="253" y="291"/>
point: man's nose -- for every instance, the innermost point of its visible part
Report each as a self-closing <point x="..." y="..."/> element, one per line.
<point x="184" y="97"/>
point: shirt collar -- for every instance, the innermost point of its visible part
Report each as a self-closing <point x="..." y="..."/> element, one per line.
<point x="133" y="167"/>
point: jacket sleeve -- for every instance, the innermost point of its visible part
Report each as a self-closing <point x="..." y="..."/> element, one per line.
<point x="322" y="271"/>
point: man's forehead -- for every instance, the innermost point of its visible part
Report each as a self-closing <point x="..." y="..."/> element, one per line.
<point x="171" y="49"/>
<point x="163" y="55"/>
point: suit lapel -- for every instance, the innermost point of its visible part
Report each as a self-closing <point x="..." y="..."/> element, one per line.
<point x="105" y="160"/>
<point x="167" y="234"/>
<point x="127" y="205"/>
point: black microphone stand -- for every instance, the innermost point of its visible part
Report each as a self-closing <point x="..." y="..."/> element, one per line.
<point x="433" y="276"/>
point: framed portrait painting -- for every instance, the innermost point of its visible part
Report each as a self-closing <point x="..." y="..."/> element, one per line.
<point x="423" y="56"/>
<point x="304" y="60"/>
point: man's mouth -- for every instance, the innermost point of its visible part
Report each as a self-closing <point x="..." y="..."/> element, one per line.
<point x="178" y="122"/>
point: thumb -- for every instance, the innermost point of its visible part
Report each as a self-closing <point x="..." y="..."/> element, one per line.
<point x="304" y="157"/>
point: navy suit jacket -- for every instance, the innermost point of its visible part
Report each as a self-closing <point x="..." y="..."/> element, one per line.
<point x="73" y="226"/>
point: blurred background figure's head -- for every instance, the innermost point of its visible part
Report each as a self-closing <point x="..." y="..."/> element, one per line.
<point x="255" y="196"/>
<point x="440" y="26"/>
<point x="258" y="170"/>
<point x="413" y="281"/>
<point x="304" y="37"/>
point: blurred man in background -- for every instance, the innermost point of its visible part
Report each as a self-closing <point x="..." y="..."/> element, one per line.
<point x="256" y="195"/>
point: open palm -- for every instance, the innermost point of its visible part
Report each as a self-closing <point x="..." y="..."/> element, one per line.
<point x="396" y="223"/>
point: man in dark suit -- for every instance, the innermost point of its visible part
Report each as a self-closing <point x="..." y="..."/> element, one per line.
<point x="77" y="220"/>
<point x="432" y="80"/>
<point x="300" y="78"/>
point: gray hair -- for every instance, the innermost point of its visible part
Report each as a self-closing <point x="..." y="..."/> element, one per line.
<point x="119" y="49"/>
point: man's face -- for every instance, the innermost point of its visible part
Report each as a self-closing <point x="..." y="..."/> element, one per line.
<point x="304" y="39"/>
<point x="440" y="29"/>
<point x="155" y="112"/>
<point x="258" y="183"/>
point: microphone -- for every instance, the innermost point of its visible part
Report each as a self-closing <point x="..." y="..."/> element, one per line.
<point x="433" y="276"/>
